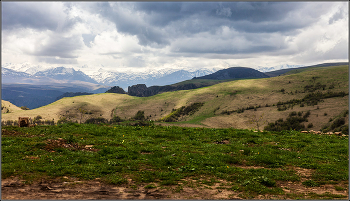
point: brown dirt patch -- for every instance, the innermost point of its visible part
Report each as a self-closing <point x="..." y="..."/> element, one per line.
<point x="298" y="188"/>
<point x="189" y="188"/>
<point x="52" y="144"/>
<point x="5" y="132"/>
<point x="73" y="189"/>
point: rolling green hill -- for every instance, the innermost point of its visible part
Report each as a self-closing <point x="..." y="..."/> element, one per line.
<point x="223" y="102"/>
<point x="7" y="107"/>
<point x="300" y="69"/>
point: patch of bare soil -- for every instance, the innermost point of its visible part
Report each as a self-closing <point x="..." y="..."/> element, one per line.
<point x="13" y="188"/>
<point x="305" y="174"/>
<point x="73" y="189"/>
<point x="5" y="132"/>
<point x="52" y="144"/>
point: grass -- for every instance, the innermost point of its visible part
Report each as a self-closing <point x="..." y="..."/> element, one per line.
<point x="162" y="156"/>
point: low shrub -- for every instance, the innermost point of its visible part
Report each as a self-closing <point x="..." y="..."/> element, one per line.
<point x="24" y="108"/>
<point x="338" y="122"/>
<point x="115" y="119"/>
<point x="140" y="115"/>
<point x="97" y="120"/>
<point x="310" y="125"/>
<point x="293" y="122"/>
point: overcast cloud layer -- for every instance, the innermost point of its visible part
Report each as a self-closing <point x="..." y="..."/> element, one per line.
<point x="119" y="35"/>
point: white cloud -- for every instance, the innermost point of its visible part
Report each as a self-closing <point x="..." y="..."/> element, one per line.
<point x="183" y="35"/>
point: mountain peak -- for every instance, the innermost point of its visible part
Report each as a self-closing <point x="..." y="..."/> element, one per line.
<point x="234" y="73"/>
<point x="63" y="73"/>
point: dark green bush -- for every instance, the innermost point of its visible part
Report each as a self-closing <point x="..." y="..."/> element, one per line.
<point x="24" y="108"/>
<point x="345" y="129"/>
<point x="62" y="120"/>
<point x="293" y="122"/>
<point x="115" y="119"/>
<point x="307" y="114"/>
<point x="140" y="115"/>
<point x="97" y="120"/>
<point x="338" y="122"/>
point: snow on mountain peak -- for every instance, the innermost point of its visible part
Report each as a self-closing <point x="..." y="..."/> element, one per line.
<point x="278" y="67"/>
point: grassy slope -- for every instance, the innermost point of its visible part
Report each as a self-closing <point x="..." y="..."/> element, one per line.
<point x="6" y="105"/>
<point x="224" y="96"/>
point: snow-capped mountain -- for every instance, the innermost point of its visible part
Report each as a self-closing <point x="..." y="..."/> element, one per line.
<point x="149" y="77"/>
<point x="120" y="77"/>
<point x="62" y="73"/>
<point x="9" y="73"/>
<point x="279" y="67"/>
<point x="26" y="73"/>
<point x="24" y="67"/>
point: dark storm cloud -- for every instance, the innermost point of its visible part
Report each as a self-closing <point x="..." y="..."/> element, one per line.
<point x="161" y="14"/>
<point x="25" y="15"/>
<point x="160" y="22"/>
<point x="259" y="11"/>
<point x="35" y="15"/>
<point x="226" y="50"/>
<point x="129" y="23"/>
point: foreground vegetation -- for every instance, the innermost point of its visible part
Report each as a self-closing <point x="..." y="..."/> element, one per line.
<point x="253" y="163"/>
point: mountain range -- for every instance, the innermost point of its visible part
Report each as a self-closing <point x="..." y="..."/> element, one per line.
<point x="26" y="73"/>
<point x="18" y="80"/>
<point x="34" y="88"/>
<point x="321" y="91"/>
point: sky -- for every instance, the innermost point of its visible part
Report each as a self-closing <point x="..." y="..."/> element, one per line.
<point x="154" y="35"/>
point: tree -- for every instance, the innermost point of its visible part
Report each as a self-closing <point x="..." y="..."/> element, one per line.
<point x="82" y="113"/>
<point x="140" y="115"/>
<point x="257" y="120"/>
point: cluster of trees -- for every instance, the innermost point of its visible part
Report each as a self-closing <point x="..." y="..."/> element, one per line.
<point x="309" y="99"/>
<point x="293" y="122"/>
<point x="337" y="124"/>
<point x="312" y="87"/>
<point x="314" y="98"/>
<point x="182" y="111"/>
<point x="241" y="110"/>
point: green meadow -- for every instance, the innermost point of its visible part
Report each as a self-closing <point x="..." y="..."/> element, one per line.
<point x="251" y="163"/>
